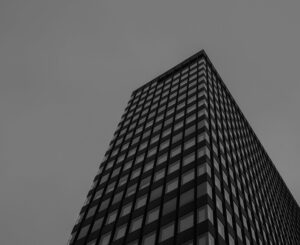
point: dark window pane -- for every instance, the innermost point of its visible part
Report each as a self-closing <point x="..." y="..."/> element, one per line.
<point x="186" y="222"/>
<point x="169" y="206"/>
<point x="152" y="216"/>
<point x="97" y="224"/>
<point x="149" y="239"/>
<point x="167" y="232"/>
<point x="187" y="197"/>
<point x="156" y="193"/>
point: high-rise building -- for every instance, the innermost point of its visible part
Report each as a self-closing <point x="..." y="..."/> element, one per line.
<point x="185" y="167"/>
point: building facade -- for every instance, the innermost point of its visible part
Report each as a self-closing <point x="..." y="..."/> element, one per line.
<point x="184" y="167"/>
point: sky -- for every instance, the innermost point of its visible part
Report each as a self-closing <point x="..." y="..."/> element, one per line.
<point x="67" y="70"/>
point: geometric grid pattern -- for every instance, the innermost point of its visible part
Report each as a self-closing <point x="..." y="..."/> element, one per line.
<point x="185" y="167"/>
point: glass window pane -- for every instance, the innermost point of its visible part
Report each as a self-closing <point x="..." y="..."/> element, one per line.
<point x="169" y="206"/>
<point x="156" y="193"/>
<point x="167" y="232"/>
<point x="173" y="167"/>
<point x="187" y="197"/>
<point x="141" y="202"/>
<point x="188" y="144"/>
<point x="136" y="224"/>
<point x="189" y="159"/>
<point x="153" y="215"/>
<point x="111" y="217"/>
<point x="91" y="212"/>
<point x="149" y="239"/>
<point x="159" y="175"/>
<point x="186" y="222"/>
<point x="126" y="209"/>
<point x="187" y="177"/>
<point x="97" y="225"/>
<point x="104" y="240"/>
<point x="177" y="137"/>
<point x="172" y="185"/>
<point x="120" y="232"/>
<point x="83" y="232"/>
<point x="190" y="130"/>
<point x="175" y="151"/>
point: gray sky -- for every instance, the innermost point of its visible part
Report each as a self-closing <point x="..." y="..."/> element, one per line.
<point x="67" y="69"/>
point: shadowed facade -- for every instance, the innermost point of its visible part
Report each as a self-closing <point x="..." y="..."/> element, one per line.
<point x="185" y="167"/>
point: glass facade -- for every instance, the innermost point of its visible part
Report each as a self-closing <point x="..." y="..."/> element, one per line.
<point x="185" y="167"/>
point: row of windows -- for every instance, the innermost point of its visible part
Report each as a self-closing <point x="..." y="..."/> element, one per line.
<point x="169" y="206"/>
<point x="242" y="146"/>
<point x="164" y="114"/>
<point x="166" y="84"/>
<point x="244" y="192"/>
<point x="159" y="174"/>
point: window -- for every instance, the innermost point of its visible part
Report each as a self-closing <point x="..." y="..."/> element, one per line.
<point x="172" y="185"/>
<point x="166" y="132"/>
<point x="156" y="193"/>
<point x="231" y="240"/>
<point x="98" y="194"/>
<point x="167" y="232"/>
<point x="203" y="136"/>
<point x="145" y="182"/>
<point x="136" y="224"/>
<point x="178" y="125"/>
<point x="155" y="138"/>
<point x="126" y="209"/>
<point x="221" y="229"/>
<point x="131" y="190"/>
<point x="159" y="175"/>
<point x="229" y="217"/>
<point x="149" y="239"/>
<point x="164" y="144"/>
<point x="111" y="217"/>
<point x="148" y="166"/>
<point x="117" y="197"/>
<point x="91" y="212"/>
<point x="162" y="158"/>
<point x="177" y="137"/>
<point x="191" y="118"/>
<point x="152" y="152"/>
<point x="141" y="202"/>
<point x="219" y="204"/>
<point x="205" y="213"/>
<point x="97" y="225"/>
<point x="175" y="151"/>
<point x="169" y="206"/>
<point x="153" y="215"/>
<point x="92" y="242"/>
<point x="203" y="151"/>
<point x="173" y="167"/>
<point x="239" y="231"/>
<point x="206" y="239"/>
<point x="127" y="165"/>
<point x="123" y="180"/>
<point x="203" y="189"/>
<point x="186" y="222"/>
<point x="188" y="144"/>
<point x="190" y="130"/>
<point x="104" y="205"/>
<point x="204" y="168"/>
<point x="187" y="197"/>
<point x="120" y="232"/>
<point x="187" y="177"/>
<point x="188" y="159"/>
<point x="83" y="232"/>
<point x="104" y="240"/>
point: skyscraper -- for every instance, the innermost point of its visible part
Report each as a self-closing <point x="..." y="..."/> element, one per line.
<point x="185" y="167"/>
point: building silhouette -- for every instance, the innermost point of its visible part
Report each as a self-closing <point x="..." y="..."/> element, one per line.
<point x="185" y="167"/>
